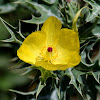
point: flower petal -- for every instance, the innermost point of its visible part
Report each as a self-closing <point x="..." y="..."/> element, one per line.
<point x="30" y="49"/>
<point x="52" y="27"/>
<point x="50" y="66"/>
<point x="68" y="48"/>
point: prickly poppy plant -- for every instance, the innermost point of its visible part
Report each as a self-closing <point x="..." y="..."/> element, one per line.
<point x="54" y="54"/>
<point x="52" y="48"/>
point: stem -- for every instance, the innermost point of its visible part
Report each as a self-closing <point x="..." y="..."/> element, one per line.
<point x="19" y="42"/>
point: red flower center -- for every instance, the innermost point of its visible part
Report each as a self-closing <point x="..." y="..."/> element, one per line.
<point x="49" y="49"/>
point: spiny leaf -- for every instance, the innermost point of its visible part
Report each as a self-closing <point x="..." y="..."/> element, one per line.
<point x="40" y="87"/>
<point x="45" y="11"/>
<point x="96" y="75"/>
<point x="96" y="31"/>
<point x="58" y="91"/>
<point x="85" y="54"/>
<point x="8" y="40"/>
<point x="75" y="76"/>
<point x="20" y="30"/>
<point x="23" y="93"/>
<point x="94" y="12"/>
<point x="20" y="63"/>
<point x="83" y="59"/>
<point x="72" y="7"/>
<point x="45" y="74"/>
<point x="13" y="37"/>
<point x="7" y="8"/>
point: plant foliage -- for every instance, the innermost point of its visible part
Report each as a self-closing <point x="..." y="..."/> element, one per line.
<point x="83" y="80"/>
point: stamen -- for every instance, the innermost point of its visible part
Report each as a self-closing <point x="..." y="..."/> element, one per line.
<point x="48" y="54"/>
<point x="49" y="49"/>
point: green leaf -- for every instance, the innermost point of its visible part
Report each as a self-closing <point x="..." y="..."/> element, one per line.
<point x="40" y="87"/>
<point x="83" y="59"/>
<point x="88" y="97"/>
<point x="96" y="75"/>
<point x="3" y="32"/>
<point x="54" y="95"/>
<point x="96" y="31"/>
<point x="44" y="10"/>
<point x="7" y="8"/>
<point x="50" y="1"/>
<point x="21" y="35"/>
<point x="75" y="77"/>
<point x="20" y="1"/>
<point x="58" y="91"/>
<point x="85" y="54"/>
<point x="45" y="74"/>
<point x="13" y="37"/>
<point x="94" y="12"/>
<point x="5" y="45"/>
<point x="71" y="10"/>
<point x="23" y="93"/>
<point x="98" y="87"/>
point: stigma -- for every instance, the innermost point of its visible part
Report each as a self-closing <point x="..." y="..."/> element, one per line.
<point x="50" y="49"/>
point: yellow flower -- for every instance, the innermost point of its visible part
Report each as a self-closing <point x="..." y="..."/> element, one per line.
<point x="52" y="48"/>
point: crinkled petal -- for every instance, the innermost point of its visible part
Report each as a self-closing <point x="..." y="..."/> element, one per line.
<point x="50" y="66"/>
<point x="68" y="48"/>
<point x="30" y="49"/>
<point x="52" y="27"/>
